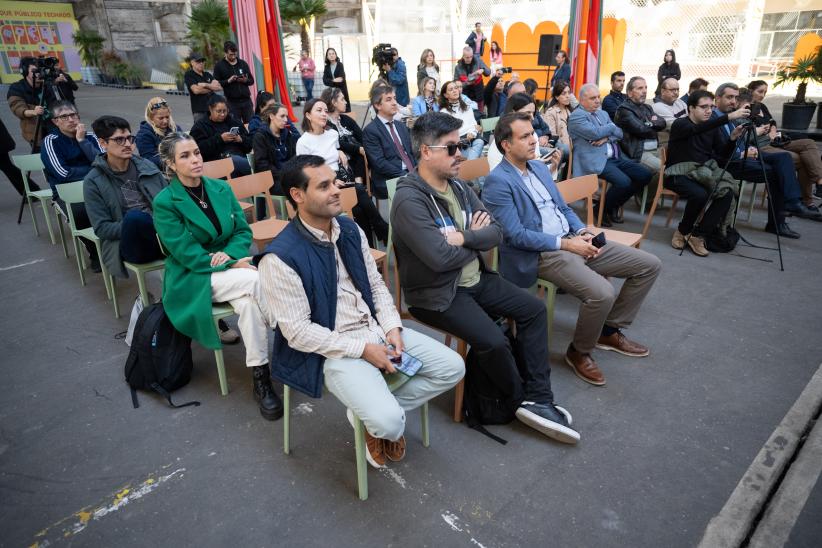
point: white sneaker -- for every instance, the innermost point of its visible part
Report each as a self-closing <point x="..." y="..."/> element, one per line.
<point x="553" y="421"/>
<point x="229" y="337"/>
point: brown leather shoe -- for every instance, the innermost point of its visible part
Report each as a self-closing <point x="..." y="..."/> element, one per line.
<point x="584" y="366"/>
<point x="394" y="450"/>
<point x="678" y="240"/>
<point x="375" y="450"/>
<point x="697" y="245"/>
<point x="619" y="343"/>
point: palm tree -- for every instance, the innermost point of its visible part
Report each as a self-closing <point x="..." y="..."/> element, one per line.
<point x="208" y="28"/>
<point x="90" y="45"/>
<point x="803" y="71"/>
<point x="302" y="12"/>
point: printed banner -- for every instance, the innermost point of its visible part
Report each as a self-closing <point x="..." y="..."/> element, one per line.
<point x="36" y="29"/>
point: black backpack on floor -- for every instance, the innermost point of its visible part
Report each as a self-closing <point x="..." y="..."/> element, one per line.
<point x="160" y="356"/>
<point x="484" y="402"/>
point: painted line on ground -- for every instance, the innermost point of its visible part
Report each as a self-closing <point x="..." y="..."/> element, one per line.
<point x="78" y="521"/>
<point x="731" y="526"/>
<point x="12" y="267"/>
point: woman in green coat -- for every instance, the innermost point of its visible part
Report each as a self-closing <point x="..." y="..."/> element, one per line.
<point x="204" y="231"/>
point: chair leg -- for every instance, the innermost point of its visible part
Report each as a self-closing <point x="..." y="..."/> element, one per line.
<point x="603" y="189"/>
<point x="111" y="283"/>
<point x="424" y="423"/>
<point x="62" y="236"/>
<point x="286" y="419"/>
<point x="79" y="257"/>
<point x="218" y="355"/>
<point x="106" y="277"/>
<point x="652" y="210"/>
<point x="753" y="202"/>
<point x="644" y="200"/>
<point x="359" y="450"/>
<point x="141" y="284"/>
<point x="46" y="205"/>
<point x="33" y="216"/>
<point x="459" y="395"/>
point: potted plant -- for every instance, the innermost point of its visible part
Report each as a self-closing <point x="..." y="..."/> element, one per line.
<point x="180" y="75"/>
<point x="90" y="46"/>
<point x="797" y="114"/>
<point x="108" y="62"/>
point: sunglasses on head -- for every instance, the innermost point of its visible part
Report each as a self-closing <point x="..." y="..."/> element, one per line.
<point x="157" y="106"/>
<point x="452" y="147"/>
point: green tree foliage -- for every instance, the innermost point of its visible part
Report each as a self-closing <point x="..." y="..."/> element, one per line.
<point x="301" y="12"/>
<point x="90" y="46"/>
<point x="208" y="28"/>
<point x="803" y="71"/>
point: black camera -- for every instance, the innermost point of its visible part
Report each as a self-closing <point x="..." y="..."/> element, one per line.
<point x="506" y="70"/>
<point x="47" y="68"/>
<point x="383" y="54"/>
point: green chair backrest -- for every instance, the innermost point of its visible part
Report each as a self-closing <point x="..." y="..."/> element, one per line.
<point x="391" y="185"/>
<point x="28" y="162"/>
<point x="71" y="193"/>
<point x="250" y="158"/>
<point x="392" y="188"/>
<point x="489" y="124"/>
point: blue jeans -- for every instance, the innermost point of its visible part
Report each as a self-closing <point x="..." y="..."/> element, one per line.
<point x="475" y="150"/>
<point x="626" y="178"/>
<point x="241" y="166"/>
<point x="138" y="239"/>
<point x="308" y="83"/>
<point x="783" y="186"/>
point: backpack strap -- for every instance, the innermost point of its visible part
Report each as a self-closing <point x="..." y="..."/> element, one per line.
<point x="163" y="392"/>
<point x="475" y="425"/>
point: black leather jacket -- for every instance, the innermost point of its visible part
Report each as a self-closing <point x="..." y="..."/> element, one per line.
<point x="638" y="124"/>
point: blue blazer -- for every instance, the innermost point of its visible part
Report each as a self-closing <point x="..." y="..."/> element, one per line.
<point x="511" y="204"/>
<point x="418" y="106"/>
<point x="584" y="130"/>
<point x="383" y="159"/>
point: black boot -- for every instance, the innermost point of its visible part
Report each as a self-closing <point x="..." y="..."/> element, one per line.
<point x="271" y="407"/>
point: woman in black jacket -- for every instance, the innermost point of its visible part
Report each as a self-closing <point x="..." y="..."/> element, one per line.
<point x="216" y="139"/>
<point x="334" y="75"/>
<point x="348" y="130"/>
<point x="668" y="69"/>
<point x="275" y="143"/>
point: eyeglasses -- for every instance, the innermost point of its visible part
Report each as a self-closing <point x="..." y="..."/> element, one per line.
<point x="452" y="147"/>
<point x="67" y="116"/>
<point x="672" y="89"/>
<point x="158" y="106"/>
<point x="123" y="139"/>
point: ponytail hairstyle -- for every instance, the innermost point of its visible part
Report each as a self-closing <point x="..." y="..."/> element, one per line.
<point x="168" y="149"/>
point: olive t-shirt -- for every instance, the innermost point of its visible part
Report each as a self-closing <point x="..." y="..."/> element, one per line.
<point x="471" y="272"/>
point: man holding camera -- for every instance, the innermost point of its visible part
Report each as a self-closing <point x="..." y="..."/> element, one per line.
<point x="397" y="77"/>
<point x="24" y="100"/>
<point x="234" y="75"/>
<point x="783" y="185"/>
<point x="470" y="70"/>
<point x="544" y="238"/>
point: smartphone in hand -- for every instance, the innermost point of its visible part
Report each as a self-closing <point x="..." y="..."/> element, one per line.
<point x="234" y="131"/>
<point x="599" y="240"/>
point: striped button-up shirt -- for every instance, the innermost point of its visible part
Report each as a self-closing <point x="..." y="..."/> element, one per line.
<point x="285" y="301"/>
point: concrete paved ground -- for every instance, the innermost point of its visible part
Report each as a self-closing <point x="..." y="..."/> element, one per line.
<point x="734" y="341"/>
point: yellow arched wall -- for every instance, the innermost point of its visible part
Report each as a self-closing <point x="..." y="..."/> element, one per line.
<point x="520" y="44"/>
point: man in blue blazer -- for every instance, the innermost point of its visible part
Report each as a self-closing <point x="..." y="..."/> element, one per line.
<point x="596" y="151"/>
<point x="544" y="238"/>
<point x="387" y="143"/>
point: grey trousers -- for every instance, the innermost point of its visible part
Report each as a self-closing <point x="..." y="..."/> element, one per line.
<point x="586" y="281"/>
<point x="361" y="387"/>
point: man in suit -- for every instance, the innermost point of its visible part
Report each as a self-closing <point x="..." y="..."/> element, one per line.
<point x="544" y="238"/>
<point x="387" y="143"/>
<point x="596" y="151"/>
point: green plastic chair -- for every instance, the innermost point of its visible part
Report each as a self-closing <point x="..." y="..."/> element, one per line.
<point x="27" y="164"/>
<point x="250" y="158"/>
<point x="72" y="193"/>
<point x="548" y="289"/>
<point x="489" y="124"/>
<point x="394" y="382"/>
<point x="140" y="271"/>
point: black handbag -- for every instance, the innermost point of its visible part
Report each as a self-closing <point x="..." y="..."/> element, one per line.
<point x="345" y="174"/>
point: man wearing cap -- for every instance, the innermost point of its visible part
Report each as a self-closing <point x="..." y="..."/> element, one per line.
<point x="201" y="86"/>
<point x="234" y="75"/>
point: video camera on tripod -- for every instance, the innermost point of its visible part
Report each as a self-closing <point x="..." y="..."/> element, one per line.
<point x="382" y="55"/>
<point x="47" y="69"/>
<point x="756" y="112"/>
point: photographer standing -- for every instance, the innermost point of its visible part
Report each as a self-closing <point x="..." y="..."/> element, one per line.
<point x="398" y="78"/>
<point x="24" y="100"/>
<point x="235" y="77"/>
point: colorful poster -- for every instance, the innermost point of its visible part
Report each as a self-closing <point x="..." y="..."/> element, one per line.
<point x="36" y="29"/>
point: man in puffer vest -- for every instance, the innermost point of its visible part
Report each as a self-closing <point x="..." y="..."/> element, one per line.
<point x="336" y="320"/>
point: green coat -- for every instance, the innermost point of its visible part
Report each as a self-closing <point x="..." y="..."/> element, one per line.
<point x="188" y="237"/>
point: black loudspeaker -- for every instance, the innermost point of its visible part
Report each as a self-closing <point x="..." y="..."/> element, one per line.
<point x="549" y="45"/>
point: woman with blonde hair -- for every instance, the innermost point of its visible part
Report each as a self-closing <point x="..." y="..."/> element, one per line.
<point x="204" y="231"/>
<point x="428" y="68"/>
<point x="157" y="124"/>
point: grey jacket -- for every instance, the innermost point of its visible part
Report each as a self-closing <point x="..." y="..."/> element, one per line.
<point x="430" y="267"/>
<point x="105" y="204"/>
